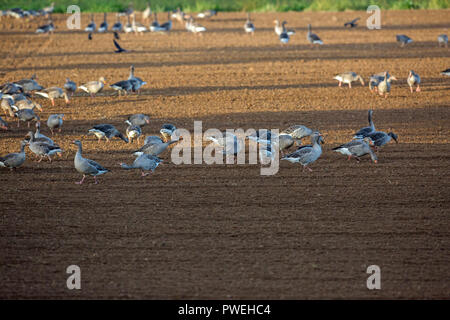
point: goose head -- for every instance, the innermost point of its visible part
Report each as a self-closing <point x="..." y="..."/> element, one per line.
<point x="393" y="136"/>
<point x="102" y="80"/>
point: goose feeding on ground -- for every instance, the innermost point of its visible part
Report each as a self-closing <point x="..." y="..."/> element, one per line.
<point x="144" y="162"/>
<point x="167" y="130"/>
<point x="229" y="143"/>
<point x="380" y="138"/>
<point x="413" y="79"/>
<point x="87" y="166"/>
<point x="124" y="86"/>
<point x="154" y="26"/>
<point x="153" y="139"/>
<point x="403" y="39"/>
<point x="38" y="136"/>
<point x="55" y="121"/>
<point x="46" y="28"/>
<point x="154" y="147"/>
<point x="133" y="131"/>
<point x="249" y="27"/>
<point x="25" y="115"/>
<point x="312" y="37"/>
<point x="348" y="77"/>
<point x="29" y="85"/>
<point x="364" y="132"/>
<point x="357" y="148"/>
<point x="14" y="160"/>
<point x="306" y="154"/>
<point x="93" y="87"/>
<point x="375" y="80"/>
<point x="298" y="131"/>
<point x="54" y="93"/>
<point x="108" y="131"/>
<point x="139" y="119"/>
<point x="42" y="149"/>
<point x="443" y="40"/>
<point x="384" y="87"/>
<point x="70" y="86"/>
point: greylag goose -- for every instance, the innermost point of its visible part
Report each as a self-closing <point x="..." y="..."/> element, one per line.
<point x="14" y="160"/>
<point x="104" y="25"/>
<point x="145" y="162"/>
<point x="352" y="23"/>
<point x="167" y="26"/>
<point x="117" y="27"/>
<point x="229" y="142"/>
<point x="70" y="86"/>
<point x="167" y="130"/>
<point x="403" y="39"/>
<point x="11" y="88"/>
<point x="154" y="26"/>
<point x="446" y="72"/>
<point x="25" y="115"/>
<point x="194" y="27"/>
<point x="278" y="28"/>
<point x="139" y="119"/>
<point x="136" y="82"/>
<point x="357" y="148"/>
<point x="413" y="79"/>
<point x="153" y="139"/>
<point x="375" y="80"/>
<point x="249" y="27"/>
<point x="206" y="14"/>
<point x="285" y="141"/>
<point x="154" y="147"/>
<point x="443" y="40"/>
<point x="380" y="138"/>
<point x="41" y="148"/>
<point x="55" y="121"/>
<point x="364" y="132"/>
<point x="262" y="136"/>
<point x="312" y="37"/>
<point x="46" y="28"/>
<point x="124" y="86"/>
<point x="298" y="131"/>
<point x="27" y="104"/>
<point x="108" y="131"/>
<point x="29" y="85"/>
<point x="54" y="93"/>
<point x="87" y="166"/>
<point x="348" y="77"/>
<point x="128" y="28"/>
<point x="91" y="26"/>
<point x="3" y="124"/>
<point x="7" y="105"/>
<point x="138" y="27"/>
<point x="93" y="87"/>
<point x="38" y="136"/>
<point x="133" y="131"/>
<point x="307" y="154"/>
<point x="284" y="36"/>
<point x="119" y="49"/>
<point x="384" y="87"/>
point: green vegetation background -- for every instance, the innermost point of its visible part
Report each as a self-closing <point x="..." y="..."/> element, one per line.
<point x="226" y="5"/>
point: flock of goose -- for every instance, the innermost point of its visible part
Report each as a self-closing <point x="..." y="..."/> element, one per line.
<point x="17" y="103"/>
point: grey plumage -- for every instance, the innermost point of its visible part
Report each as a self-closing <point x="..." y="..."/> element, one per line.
<point x="380" y="138"/>
<point x="124" y="86"/>
<point x="306" y="154"/>
<point x="133" y="131"/>
<point x="357" y="148"/>
<point x="403" y="39"/>
<point x="364" y="132"/>
<point x="154" y="148"/>
<point x="14" y="160"/>
<point x="87" y="166"/>
<point x="145" y="162"/>
<point x="313" y="38"/>
<point x="55" y="121"/>
<point x="139" y="119"/>
<point x="42" y="149"/>
<point x="108" y="131"/>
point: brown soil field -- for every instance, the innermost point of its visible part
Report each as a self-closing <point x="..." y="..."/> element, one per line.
<point x="225" y="231"/>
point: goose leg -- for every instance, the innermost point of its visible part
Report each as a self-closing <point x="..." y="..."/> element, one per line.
<point x="53" y="102"/>
<point x="411" y="89"/>
<point x="418" y="88"/>
<point x="49" y="159"/>
<point x="96" y="181"/>
<point x="340" y="83"/>
<point x="143" y="174"/>
<point x="349" y="85"/>
<point x="82" y="180"/>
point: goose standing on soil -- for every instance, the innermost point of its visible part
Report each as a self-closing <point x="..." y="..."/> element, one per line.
<point x="70" y="87"/>
<point x="123" y="86"/>
<point x="443" y="40"/>
<point x="91" y="26"/>
<point x="27" y="104"/>
<point x="133" y="131"/>
<point x="167" y="26"/>
<point x="104" y="25"/>
<point x="285" y="141"/>
<point x="128" y="26"/>
<point x="154" y="147"/>
<point x="298" y="132"/>
<point x="3" y="124"/>
<point x="384" y="87"/>
<point x="87" y="166"/>
<point x="167" y="130"/>
<point x="284" y="36"/>
<point x="55" y="121"/>
<point x="108" y="131"/>
<point x="413" y="79"/>
<point x="138" y="27"/>
<point x="117" y="27"/>
<point x="38" y="136"/>
<point x="380" y="138"/>
<point x="154" y="26"/>
<point x="14" y="160"/>
<point x="194" y="27"/>
<point x="312" y="37"/>
<point x="403" y="39"/>
<point x="307" y="154"/>
<point x="446" y="72"/>
<point x="229" y="143"/>
<point x="93" y="87"/>
<point x="136" y="82"/>
<point x="145" y="162"/>
<point x="249" y="27"/>
<point x="139" y="119"/>
<point x="46" y="28"/>
<point x="29" y="85"/>
<point x="364" y="132"/>
<point x="54" y="93"/>
<point x="348" y="77"/>
<point x="357" y="148"/>
<point x="41" y="148"/>
<point x="25" y="115"/>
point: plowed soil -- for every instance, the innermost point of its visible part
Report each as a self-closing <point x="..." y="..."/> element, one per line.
<point x="225" y="231"/>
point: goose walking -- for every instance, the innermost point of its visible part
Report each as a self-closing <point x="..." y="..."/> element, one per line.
<point x="413" y="79"/>
<point x="108" y="131"/>
<point x="348" y="77"/>
<point x="133" y="131"/>
<point x="403" y="39"/>
<point x="55" y="121"/>
<point x="312" y="37"/>
<point x="14" y="160"/>
<point x="93" y="87"/>
<point x="87" y="166"/>
<point x="384" y="87"/>
<point x="364" y="132"/>
<point x="357" y="148"/>
<point x="249" y="27"/>
<point x="375" y="80"/>
<point x="144" y="162"/>
<point x="307" y="154"/>
<point x="54" y="93"/>
<point x="443" y="40"/>
<point x="124" y="86"/>
<point x="42" y="149"/>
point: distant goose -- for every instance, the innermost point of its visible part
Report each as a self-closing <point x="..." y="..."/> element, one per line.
<point x="348" y="77"/>
<point x="42" y="149"/>
<point x="206" y="14"/>
<point x="194" y="27"/>
<point x="357" y="148"/>
<point x="154" y="26"/>
<point x="128" y="26"/>
<point x="123" y="86"/>
<point x="446" y="72"/>
<point x="352" y="23"/>
<point x="38" y="136"/>
<point x="107" y="131"/>
<point x="153" y="139"/>
<point x="312" y="37"/>
<point x="384" y="87"/>
<point x="3" y="124"/>
<point x="145" y="162"/>
<point x="54" y="93"/>
<point x="380" y="138"/>
<point x="308" y="154"/>
<point x="136" y="82"/>
<point x="70" y="86"/>
<point x="118" y="47"/>
<point x="133" y="131"/>
<point x="154" y="147"/>
<point x="117" y="27"/>
<point x="91" y="26"/>
<point x="46" y="28"/>
<point x="167" y="26"/>
<point x="375" y="80"/>
<point x="29" y="85"/>
<point x="27" y="104"/>
<point x="403" y="39"/>
<point x="262" y="136"/>
<point x="55" y="121"/>
<point x="229" y="143"/>
<point x="25" y="115"/>
<point x="138" y="27"/>
<point x="364" y="132"/>
<point x="443" y="40"/>
<point x="14" y="160"/>
<point x="147" y="12"/>
<point x="104" y="25"/>
<point x="249" y="27"/>
<point x="93" y="87"/>
<point x="139" y="119"/>
<point x="278" y="27"/>
<point x="298" y="131"/>
<point x="413" y="79"/>
<point x="167" y="130"/>
<point x="284" y="36"/>
<point x="87" y="166"/>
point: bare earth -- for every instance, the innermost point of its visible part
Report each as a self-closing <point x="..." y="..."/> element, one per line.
<point x="224" y="231"/>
